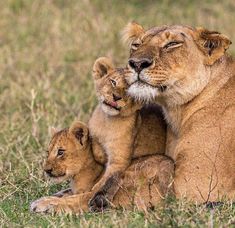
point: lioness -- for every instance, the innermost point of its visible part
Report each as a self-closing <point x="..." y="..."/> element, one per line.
<point x="187" y="72"/>
<point x="70" y="156"/>
<point x="120" y="131"/>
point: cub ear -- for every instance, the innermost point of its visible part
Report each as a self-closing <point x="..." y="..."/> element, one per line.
<point x="212" y="44"/>
<point x="80" y="131"/>
<point x="131" y="32"/>
<point x="53" y="130"/>
<point x="102" y="67"/>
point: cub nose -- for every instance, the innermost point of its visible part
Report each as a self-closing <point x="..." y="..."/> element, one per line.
<point x="116" y="98"/>
<point x="48" y="171"/>
<point x="139" y="64"/>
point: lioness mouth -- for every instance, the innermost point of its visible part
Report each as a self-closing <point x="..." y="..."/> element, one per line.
<point x="112" y="105"/>
<point x="162" y="88"/>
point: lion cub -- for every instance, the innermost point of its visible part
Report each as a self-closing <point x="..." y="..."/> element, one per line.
<point x="120" y="129"/>
<point x="146" y="181"/>
<point x="70" y="157"/>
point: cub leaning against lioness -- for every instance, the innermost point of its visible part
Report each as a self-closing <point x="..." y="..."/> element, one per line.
<point x="146" y="181"/>
<point x="120" y="131"/>
<point x="187" y="72"/>
<point x="117" y="120"/>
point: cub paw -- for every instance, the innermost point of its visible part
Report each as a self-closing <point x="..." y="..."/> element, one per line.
<point x="42" y="205"/>
<point x="98" y="203"/>
<point x="63" y="193"/>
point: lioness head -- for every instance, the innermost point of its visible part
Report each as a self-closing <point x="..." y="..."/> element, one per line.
<point x="173" y="62"/>
<point x="111" y="87"/>
<point x="67" y="152"/>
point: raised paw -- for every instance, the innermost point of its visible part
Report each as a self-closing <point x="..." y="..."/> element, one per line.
<point x="43" y="205"/>
<point x="98" y="203"/>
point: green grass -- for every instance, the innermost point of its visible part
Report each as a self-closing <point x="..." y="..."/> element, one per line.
<point x="47" y="49"/>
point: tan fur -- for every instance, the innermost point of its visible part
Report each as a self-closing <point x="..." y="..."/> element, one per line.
<point x="198" y="102"/>
<point x="145" y="182"/>
<point x="77" y="157"/>
<point x="132" y="31"/>
<point x="114" y="131"/>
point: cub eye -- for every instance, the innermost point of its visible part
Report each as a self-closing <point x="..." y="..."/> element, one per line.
<point x="113" y="82"/>
<point x="173" y="44"/>
<point x="60" y="152"/>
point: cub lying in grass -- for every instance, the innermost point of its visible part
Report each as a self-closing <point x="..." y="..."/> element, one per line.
<point x="146" y="181"/>
<point x="120" y="131"/>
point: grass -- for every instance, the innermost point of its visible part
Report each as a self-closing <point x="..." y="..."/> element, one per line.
<point x="47" y="49"/>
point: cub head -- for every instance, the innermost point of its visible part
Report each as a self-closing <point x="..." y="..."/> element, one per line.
<point x="111" y="88"/>
<point x="173" y="62"/>
<point x="68" y="152"/>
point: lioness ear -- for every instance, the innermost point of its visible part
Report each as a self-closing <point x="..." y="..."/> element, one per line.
<point x="80" y="131"/>
<point x="213" y="44"/>
<point x="102" y="67"/>
<point x="131" y="32"/>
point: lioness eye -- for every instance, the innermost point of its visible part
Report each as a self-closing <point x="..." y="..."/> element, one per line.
<point x="113" y="82"/>
<point x="135" y="45"/>
<point x="173" y="44"/>
<point x="60" y="152"/>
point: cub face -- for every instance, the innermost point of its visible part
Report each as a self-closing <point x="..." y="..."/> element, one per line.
<point x="111" y="87"/>
<point x="67" y="152"/>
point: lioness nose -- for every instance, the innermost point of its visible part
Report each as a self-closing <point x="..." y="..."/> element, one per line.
<point x="139" y="64"/>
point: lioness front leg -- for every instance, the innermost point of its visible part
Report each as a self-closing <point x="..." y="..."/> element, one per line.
<point x="207" y="173"/>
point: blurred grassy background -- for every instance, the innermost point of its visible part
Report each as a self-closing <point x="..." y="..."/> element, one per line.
<point x="47" y="49"/>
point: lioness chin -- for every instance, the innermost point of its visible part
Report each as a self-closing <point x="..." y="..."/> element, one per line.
<point x="187" y="72"/>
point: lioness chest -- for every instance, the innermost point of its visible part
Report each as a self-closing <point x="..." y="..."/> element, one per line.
<point x="213" y="109"/>
<point x="204" y="147"/>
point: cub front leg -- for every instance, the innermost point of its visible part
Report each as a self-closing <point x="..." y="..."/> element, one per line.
<point x="68" y="204"/>
<point x="45" y="205"/>
<point x="106" y="188"/>
<point x="63" y="193"/>
<point x="98" y="152"/>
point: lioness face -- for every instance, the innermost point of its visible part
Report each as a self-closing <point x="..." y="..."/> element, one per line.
<point x="171" y="62"/>
<point x="67" y="153"/>
<point x="111" y="87"/>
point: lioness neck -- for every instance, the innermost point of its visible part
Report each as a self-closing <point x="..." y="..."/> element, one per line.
<point x="177" y="110"/>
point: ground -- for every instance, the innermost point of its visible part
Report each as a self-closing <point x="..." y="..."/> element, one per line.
<point x="47" y="49"/>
